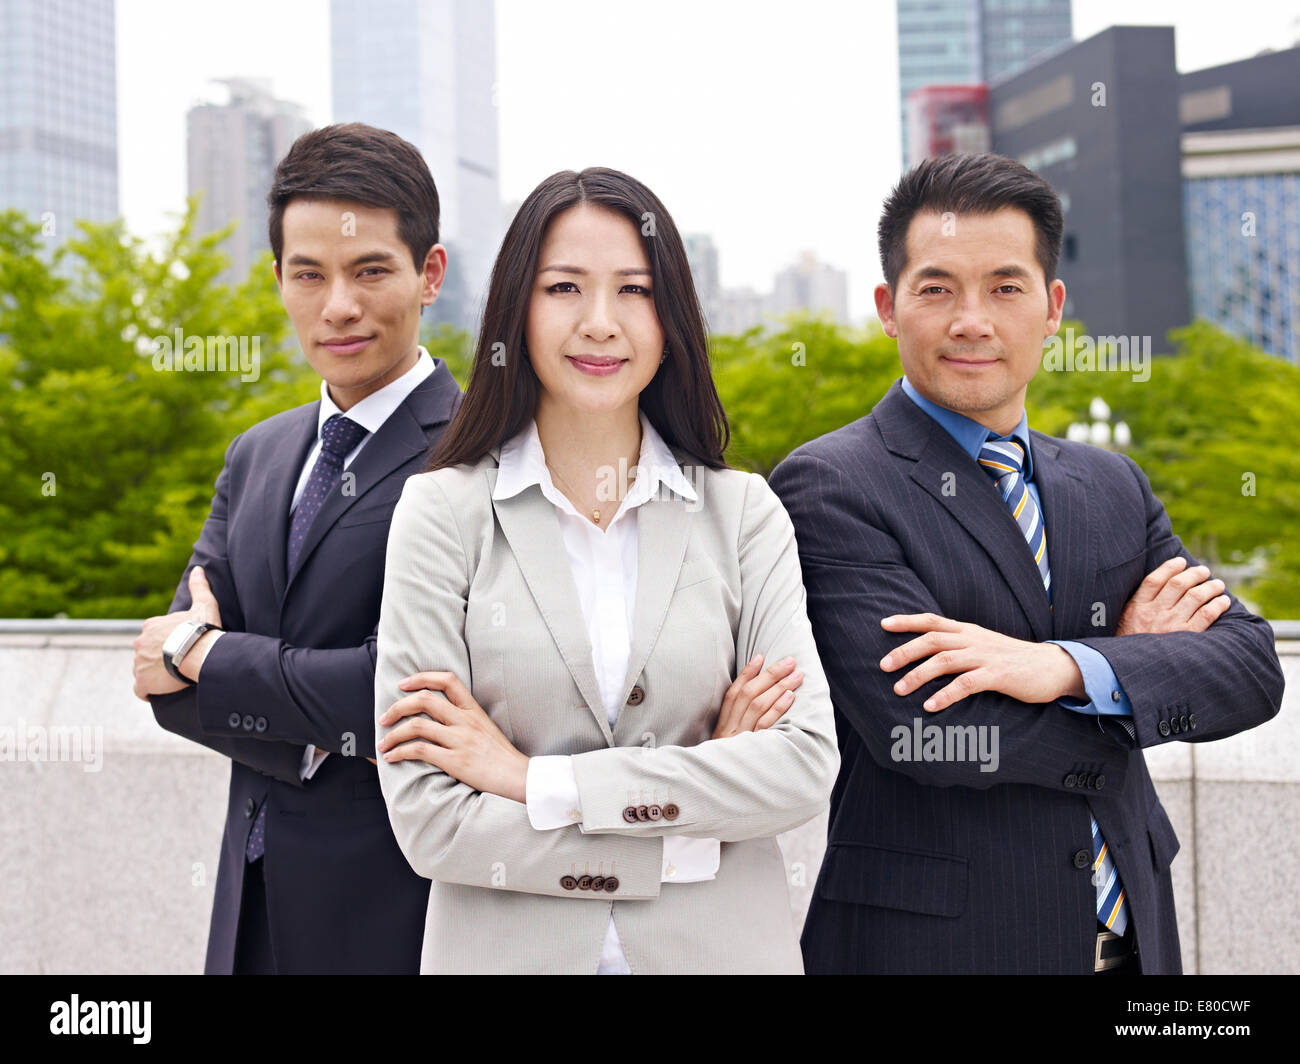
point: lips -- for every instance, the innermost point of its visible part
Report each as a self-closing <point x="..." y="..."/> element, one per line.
<point x="596" y="365"/>
<point x="346" y="345"/>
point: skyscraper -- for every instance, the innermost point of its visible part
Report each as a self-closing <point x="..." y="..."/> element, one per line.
<point x="232" y="150"/>
<point x="58" y="111"/>
<point x="966" y="42"/>
<point x="426" y="69"/>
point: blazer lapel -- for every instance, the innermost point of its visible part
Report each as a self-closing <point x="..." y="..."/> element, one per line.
<point x="950" y="476"/>
<point x="532" y="529"/>
<point x="283" y="467"/>
<point x="1069" y="510"/>
<point x="399" y="439"/>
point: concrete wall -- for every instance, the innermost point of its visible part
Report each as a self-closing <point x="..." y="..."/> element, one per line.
<point x="109" y="861"/>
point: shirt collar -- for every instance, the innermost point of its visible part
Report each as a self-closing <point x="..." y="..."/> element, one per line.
<point x="971" y="435"/>
<point x="523" y="463"/>
<point x="377" y="407"/>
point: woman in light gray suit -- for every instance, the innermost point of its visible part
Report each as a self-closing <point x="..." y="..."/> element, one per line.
<point x="567" y="594"/>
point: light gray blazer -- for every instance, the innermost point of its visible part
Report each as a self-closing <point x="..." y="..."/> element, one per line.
<point x="484" y="589"/>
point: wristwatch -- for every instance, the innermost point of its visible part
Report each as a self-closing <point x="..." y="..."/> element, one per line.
<point x="178" y="644"/>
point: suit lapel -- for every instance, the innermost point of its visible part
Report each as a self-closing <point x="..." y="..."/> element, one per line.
<point x="955" y="480"/>
<point x="1069" y="510"/>
<point x="283" y="467"/>
<point x="532" y="529"/>
<point x="400" y="438"/>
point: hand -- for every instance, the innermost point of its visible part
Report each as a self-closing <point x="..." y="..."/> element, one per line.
<point x="984" y="661"/>
<point x="757" y="698"/>
<point x="1174" y="598"/>
<point x="151" y="677"/>
<point x="442" y="724"/>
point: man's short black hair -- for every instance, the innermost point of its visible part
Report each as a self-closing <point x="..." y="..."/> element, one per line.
<point x="970" y="184"/>
<point x="364" y="164"/>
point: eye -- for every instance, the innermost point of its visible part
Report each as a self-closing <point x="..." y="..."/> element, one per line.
<point x="1008" y="289"/>
<point x="306" y="275"/>
<point x="566" y="286"/>
<point x="932" y="288"/>
<point x="638" y="289"/>
<point x="374" y="270"/>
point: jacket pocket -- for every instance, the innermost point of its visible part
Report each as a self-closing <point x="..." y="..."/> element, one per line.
<point x="930" y="883"/>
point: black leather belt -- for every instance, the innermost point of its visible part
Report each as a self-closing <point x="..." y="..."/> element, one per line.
<point x="1114" y="951"/>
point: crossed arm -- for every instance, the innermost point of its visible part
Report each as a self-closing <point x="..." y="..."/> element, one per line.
<point x="867" y="602"/>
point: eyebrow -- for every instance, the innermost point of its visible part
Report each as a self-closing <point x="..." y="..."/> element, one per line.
<point x="947" y="275"/>
<point x="298" y="259"/>
<point x="630" y="271"/>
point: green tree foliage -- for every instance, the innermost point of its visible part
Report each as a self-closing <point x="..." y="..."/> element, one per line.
<point x="109" y="462"/>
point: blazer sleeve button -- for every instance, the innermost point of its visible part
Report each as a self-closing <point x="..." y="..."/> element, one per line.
<point x="597" y="882"/>
<point x="248" y="722"/>
<point x="1191" y="721"/>
<point x="654" y="812"/>
<point x="671" y="811"/>
<point x="584" y="883"/>
<point x="643" y="812"/>
<point x="1174" y="726"/>
<point x="1163" y="728"/>
<point x="260" y="724"/>
<point x="569" y="883"/>
<point x="233" y="720"/>
<point x="1082" y="859"/>
<point x="1071" y="780"/>
<point x="611" y="884"/>
<point x="636" y="696"/>
<point x="1101" y="782"/>
<point x="629" y="814"/>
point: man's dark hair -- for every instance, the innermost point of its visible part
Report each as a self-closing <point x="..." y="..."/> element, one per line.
<point x="970" y="184"/>
<point x="369" y="166"/>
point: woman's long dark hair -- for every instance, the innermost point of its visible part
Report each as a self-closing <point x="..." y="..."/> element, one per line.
<point x="680" y="401"/>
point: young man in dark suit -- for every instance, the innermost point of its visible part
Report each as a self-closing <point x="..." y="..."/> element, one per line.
<point x="1032" y="589"/>
<point x="268" y="655"/>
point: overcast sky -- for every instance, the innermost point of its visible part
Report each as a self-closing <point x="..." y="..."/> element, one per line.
<point x="772" y="126"/>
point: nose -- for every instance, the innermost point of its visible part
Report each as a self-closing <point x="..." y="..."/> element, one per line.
<point x="342" y="306"/>
<point x="971" y="320"/>
<point x="599" y="322"/>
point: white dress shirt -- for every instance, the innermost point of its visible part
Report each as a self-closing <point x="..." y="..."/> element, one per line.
<point x="604" y="565"/>
<point x="370" y="413"/>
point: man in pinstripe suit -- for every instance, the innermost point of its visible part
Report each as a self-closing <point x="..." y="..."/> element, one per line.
<point x="1027" y="592"/>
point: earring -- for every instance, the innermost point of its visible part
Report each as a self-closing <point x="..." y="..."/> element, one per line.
<point x="664" y="356"/>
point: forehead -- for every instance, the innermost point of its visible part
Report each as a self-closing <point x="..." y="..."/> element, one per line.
<point x="593" y="237"/>
<point x="971" y="243"/>
<point x="329" y="223"/>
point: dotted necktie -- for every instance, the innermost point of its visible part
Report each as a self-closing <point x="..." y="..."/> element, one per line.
<point x="338" y="436"/>
<point x="1003" y="459"/>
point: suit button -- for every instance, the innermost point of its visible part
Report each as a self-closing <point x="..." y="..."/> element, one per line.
<point x="1163" y="728"/>
<point x="629" y="814"/>
<point x="584" y="882"/>
<point x="1071" y="780"/>
<point x="654" y="812"/>
<point x="260" y="724"/>
<point x="248" y="722"/>
<point x="1101" y="782"/>
<point x="598" y="883"/>
<point x="643" y="812"/>
<point x="1082" y="859"/>
<point x="233" y="720"/>
<point x="1184" y="721"/>
<point x="1114" y="696"/>
<point x="569" y="883"/>
<point x="1191" y="721"/>
<point x="611" y="884"/>
<point x="635" y="697"/>
<point x="670" y="811"/>
<point x="1091" y="781"/>
<point x="250" y="807"/>
<point x="1174" y="726"/>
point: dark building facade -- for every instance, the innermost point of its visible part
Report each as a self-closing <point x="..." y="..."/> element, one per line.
<point x="1100" y="121"/>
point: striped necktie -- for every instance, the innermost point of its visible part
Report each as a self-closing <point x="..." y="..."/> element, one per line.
<point x="1003" y="459"/>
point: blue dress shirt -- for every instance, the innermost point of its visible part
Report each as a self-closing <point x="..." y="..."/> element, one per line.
<point x="1099" y="680"/>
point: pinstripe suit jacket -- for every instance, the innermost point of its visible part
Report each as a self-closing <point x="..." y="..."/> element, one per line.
<point x="935" y="866"/>
<point x="483" y="588"/>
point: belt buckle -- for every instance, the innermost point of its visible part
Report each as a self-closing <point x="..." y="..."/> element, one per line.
<point x="1102" y="964"/>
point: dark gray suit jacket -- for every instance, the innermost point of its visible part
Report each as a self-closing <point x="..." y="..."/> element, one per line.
<point x="935" y="866"/>
<point x="297" y="666"/>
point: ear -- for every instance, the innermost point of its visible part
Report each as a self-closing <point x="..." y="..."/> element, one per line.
<point x="434" y="273"/>
<point x="1055" y="306"/>
<point x="885" y="310"/>
<point x="279" y="281"/>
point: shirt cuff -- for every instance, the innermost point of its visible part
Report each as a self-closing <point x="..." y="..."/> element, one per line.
<point x="688" y="860"/>
<point x="1106" y="698"/>
<point x="311" y="761"/>
<point x="552" y="793"/>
